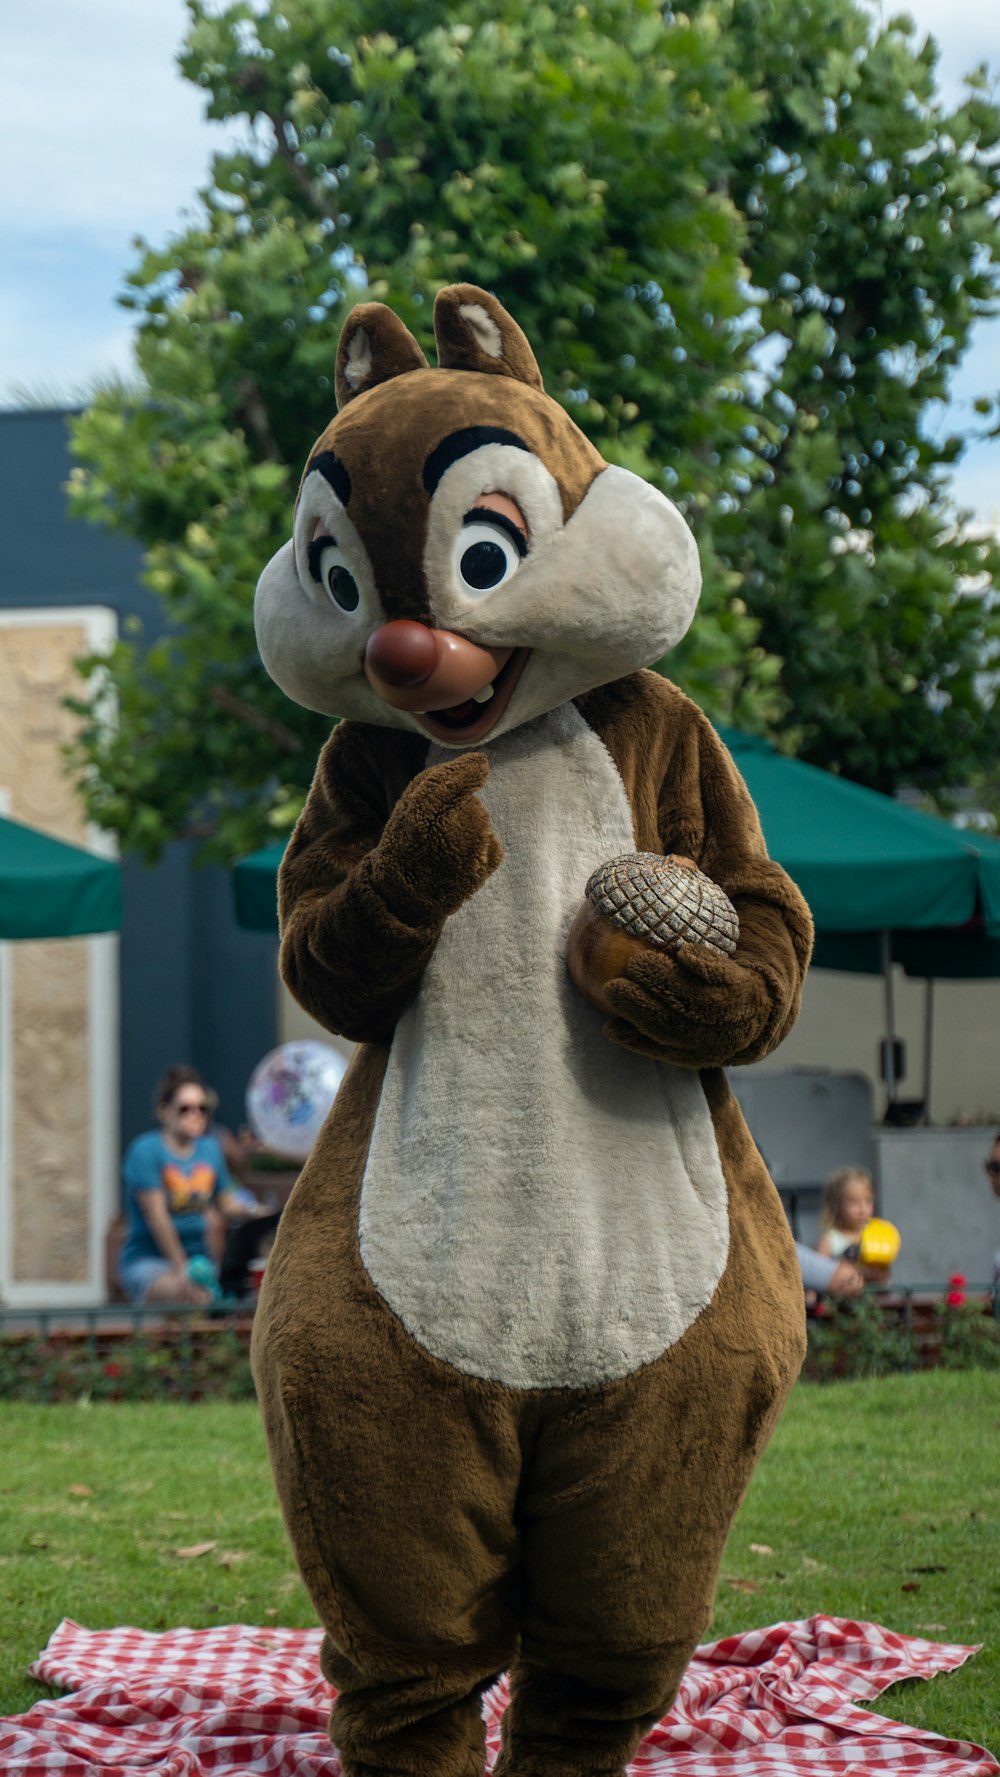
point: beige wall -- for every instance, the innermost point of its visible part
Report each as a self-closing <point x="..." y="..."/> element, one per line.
<point x="58" y="998"/>
<point x="296" y="1026"/>
<point x="843" y="1018"/>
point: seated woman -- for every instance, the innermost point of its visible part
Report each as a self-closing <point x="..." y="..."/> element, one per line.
<point x="176" y="1192"/>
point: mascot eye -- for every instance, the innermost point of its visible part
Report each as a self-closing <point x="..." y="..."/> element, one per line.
<point x="328" y="566"/>
<point x="487" y="552"/>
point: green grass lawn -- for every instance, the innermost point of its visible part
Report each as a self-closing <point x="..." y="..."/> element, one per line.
<point x="876" y="1500"/>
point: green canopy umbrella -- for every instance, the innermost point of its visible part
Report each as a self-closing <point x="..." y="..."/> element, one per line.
<point x="886" y="883"/>
<point x="867" y="865"/>
<point x="876" y="873"/>
<point x="255" y="888"/>
<point x="49" y="889"/>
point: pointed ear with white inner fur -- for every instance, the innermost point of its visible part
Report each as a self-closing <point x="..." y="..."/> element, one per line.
<point x="374" y="346"/>
<point x="474" y="332"/>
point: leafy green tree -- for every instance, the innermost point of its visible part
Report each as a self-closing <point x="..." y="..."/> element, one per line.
<point x="872" y="249"/>
<point x="655" y="197"/>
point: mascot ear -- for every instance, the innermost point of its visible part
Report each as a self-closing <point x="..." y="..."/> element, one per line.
<point x="374" y="346"/>
<point x="474" y="332"/>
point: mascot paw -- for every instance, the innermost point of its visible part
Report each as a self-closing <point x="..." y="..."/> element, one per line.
<point x="693" y="1007"/>
<point x="439" y="846"/>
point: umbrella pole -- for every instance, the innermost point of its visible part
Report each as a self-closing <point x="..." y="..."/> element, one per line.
<point x="890" y="1019"/>
<point x="928" y="1044"/>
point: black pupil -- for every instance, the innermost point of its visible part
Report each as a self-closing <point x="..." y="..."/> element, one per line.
<point x="342" y="589"/>
<point x="483" y="564"/>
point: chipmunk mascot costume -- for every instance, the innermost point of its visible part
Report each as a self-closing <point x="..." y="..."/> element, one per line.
<point x="533" y="1307"/>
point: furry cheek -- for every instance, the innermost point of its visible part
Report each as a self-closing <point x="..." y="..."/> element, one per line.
<point x="614" y="589"/>
<point x="307" y="647"/>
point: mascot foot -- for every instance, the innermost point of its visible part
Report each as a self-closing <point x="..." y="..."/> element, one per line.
<point x="557" y="1725"/>
<point x="427" y="1725"/>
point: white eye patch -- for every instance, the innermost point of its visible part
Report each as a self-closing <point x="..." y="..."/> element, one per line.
<point x="333" y="566"/>
<point x="465" y="565"/>
<point x="608" y="592"/>
<point x="316" y="606"/>
<point x="487" y="552"/>
<point x="330" y="567"/>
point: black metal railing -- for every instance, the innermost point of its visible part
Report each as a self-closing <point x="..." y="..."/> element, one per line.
<point x="165" y="1352"/>
<point x="909" y="1327"/>
<point x="124" y="1351"/>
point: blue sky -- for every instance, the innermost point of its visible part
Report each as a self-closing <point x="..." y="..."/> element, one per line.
<point x="101" y="141"/>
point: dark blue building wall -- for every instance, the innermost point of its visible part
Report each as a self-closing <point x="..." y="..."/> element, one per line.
<point x="194" y="987"/>
<point x="47" y="557"/>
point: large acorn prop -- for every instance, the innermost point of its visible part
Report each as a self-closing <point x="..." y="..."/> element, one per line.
<point x="643" y="902"/>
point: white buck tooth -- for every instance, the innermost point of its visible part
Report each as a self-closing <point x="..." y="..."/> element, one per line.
<point x="484" y="695"/>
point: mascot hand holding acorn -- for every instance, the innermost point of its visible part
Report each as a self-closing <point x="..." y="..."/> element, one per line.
<point x="533" y="1308"/>
<point x="642" y="899"/>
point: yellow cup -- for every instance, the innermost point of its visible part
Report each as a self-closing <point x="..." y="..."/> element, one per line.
<point x="879" y="1243"/>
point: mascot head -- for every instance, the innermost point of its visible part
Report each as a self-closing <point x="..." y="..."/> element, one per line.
<point x="462" y="558"/>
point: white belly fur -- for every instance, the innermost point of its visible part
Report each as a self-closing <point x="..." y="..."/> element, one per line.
<point x="539" y="1206"/>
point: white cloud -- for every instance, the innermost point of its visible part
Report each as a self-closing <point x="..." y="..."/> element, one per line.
<point x="967" y="32"/>
<point x="101" y="140"/>
<point x="102" y="133"/>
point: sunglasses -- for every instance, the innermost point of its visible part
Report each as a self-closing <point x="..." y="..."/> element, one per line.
<point x="187" y="1110"/>
<point x="993" y="1168"/>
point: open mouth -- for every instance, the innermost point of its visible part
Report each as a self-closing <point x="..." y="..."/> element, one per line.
<point x="474" y="717"/>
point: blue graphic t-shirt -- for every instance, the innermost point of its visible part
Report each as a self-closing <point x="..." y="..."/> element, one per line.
<point x="189" y="1186"/>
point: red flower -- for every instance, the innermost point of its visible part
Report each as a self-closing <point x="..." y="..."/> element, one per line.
<point x="112" y="1370"/>
<point x="958" y="1282"/>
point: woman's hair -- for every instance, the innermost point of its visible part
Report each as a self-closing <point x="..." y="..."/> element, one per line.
<point x="171" y="1081"/>
<point x="833" y="1191"/>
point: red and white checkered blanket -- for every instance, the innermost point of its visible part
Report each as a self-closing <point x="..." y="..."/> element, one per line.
<point x="775" y="1702"/>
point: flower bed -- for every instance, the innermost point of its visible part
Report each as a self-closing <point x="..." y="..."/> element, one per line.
<point x="142" y="1356"/>
<point x="184" y="1358"/>
<point x="882" y="1333"/>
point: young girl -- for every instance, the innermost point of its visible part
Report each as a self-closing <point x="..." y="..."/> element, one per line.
<point x="848" y="1207"/>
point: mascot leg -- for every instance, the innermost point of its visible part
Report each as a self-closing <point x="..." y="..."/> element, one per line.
<point x="397" y="1477"/>
<point x="624" y="1517"/>
<point x="403" y="1530"/>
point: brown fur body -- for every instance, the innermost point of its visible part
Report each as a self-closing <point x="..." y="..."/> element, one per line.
<point x="449" y="1525"/>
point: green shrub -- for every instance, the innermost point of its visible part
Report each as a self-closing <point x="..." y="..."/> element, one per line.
<point x="852" y="1340"/>
<point x="968" y="1339"/>
<point x="190" y="1359"/>
<point x="848" y="1341"/>
<point x="179" y="1360"/>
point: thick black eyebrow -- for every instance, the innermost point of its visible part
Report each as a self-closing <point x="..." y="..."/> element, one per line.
<point x="459" y="444"/>
<point x="486" y="515"/>
<point x="314" y="555"/>
<point x="335" y="472"/>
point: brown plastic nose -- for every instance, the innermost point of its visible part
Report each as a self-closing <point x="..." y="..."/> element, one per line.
<point x="402" y="652"/>
<point x="412" y="667"/>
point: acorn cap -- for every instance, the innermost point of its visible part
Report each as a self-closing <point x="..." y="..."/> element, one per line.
<point x="666" y="901"/>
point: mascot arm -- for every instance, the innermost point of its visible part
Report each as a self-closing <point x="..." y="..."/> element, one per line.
<point x="695" y="1007"/>
<point x="365" y="888"/>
